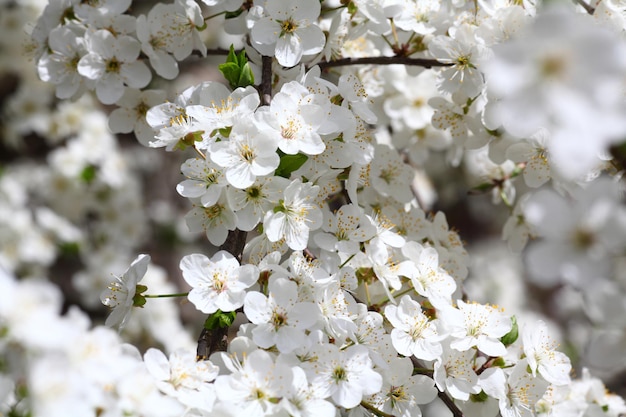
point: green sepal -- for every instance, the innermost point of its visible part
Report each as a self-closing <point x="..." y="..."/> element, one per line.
<point x="233" y="14"/>
<point x="139" y="300"/>
<point x="510" y="338"/>
<point x="140" y="289"/>
<point x="481" y="397"/>
<point x="225" y="131"/>
<point x="482" y="188"/>
<point x="189" y="140"/>
<point x="220" y="319"/>
<point x="352" y="8"/>
<point x="289" y="163"/>
<point x="498" y="363"/>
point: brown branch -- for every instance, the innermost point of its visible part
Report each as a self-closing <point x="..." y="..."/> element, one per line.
<point x="266" y="80"/>
<point x="235" y="242"/>
<point x="383" y="60"/>
<point x="219" y="51"/>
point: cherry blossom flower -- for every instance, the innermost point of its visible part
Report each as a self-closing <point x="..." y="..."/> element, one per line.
<point x="182" y="377"/>
<point x="280" y="320"/>
<point x="294" y="118"/>
<point x="402" y="392"/>
<point x="60" y="65"/>
<point x="427" y="277"/>
<point x="217" y="283"/>
<point x="454" y="372"/>
<point x="517" y="393"/>
<point x="119" y="295"/>
<point x="345" y="230"/>
<point x="295" y="216"/>
<point x="246" y="154"/>
<point x="254" y="387"/>
<point x="542" y="356"/>
<point x="413" y="333"/>
<point x="474" y="324"/>
<point x="287" y="30"/>
<point x="251" y="204"/>
<point x="462" y="51"/>
<point x="112" y="63"/>
<point x="205" y="180"/>
<point x="131" y="115"/>
<point x="346" y="375"/>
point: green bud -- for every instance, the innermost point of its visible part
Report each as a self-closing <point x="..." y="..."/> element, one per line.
<point x="510" y="338"/>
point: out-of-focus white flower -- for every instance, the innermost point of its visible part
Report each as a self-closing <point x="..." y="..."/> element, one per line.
<point x="562" y="72"/>
<point x="542" y="356"/>
<point x="131" y="115"/>
<point x="182" y="377"/>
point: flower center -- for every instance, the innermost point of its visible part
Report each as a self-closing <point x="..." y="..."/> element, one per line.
<point x="339" y="374"/>
<point x="113" y="65"/>
<point x="287" y="26"/>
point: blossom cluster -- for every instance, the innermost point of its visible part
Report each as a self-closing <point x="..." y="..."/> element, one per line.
<point x="312" y="177"/>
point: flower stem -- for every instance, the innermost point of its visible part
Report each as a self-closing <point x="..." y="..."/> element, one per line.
<point x="374" y="410"/>
<point x="180" y="294"/>
<point x="214" y="15"/>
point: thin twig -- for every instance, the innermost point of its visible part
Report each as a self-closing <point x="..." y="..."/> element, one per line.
<point x="375" y="410"/>
<point x="590" y="9"/>
<point x="384" y="60"/>
<point x="456" y="411"/>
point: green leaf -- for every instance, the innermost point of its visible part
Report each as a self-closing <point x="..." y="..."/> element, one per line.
<point x="230" y="71"/>
<point x="246" y="77"/>
<point x="510" y="338"/>
<point x="219" y="320"/>
<point x="241" y="59"/>
<point x="88" y="174"/>
<point x="236" y="69"/>
<point x="290" y="163"/>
